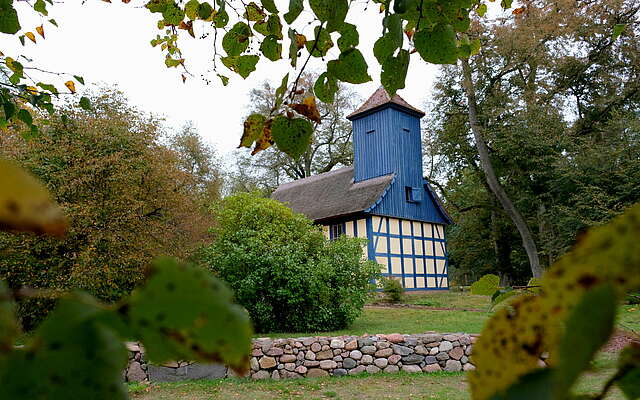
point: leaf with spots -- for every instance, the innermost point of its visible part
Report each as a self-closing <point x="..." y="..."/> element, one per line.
<point x="265" y="140"/>
<point x="73" y="351"/>
<point x="350" y="67"/>
<point x="184" y="313"/>
<point x="242" y="65"/>
<point x="272" y="26"/>
<point x="254" y="12"/>
<point x="326" y="87"/>
<point x="349" y="37"/>
<point x="296" y="42"/>
<point x="271" y="48"/>
<point x="394" y="72"/>
<point x="291" y="135"/>
<point x="236" y="40"/>
<point x="333" y="12"/>
<point x="308" y="108"/>
<point x="26" y="205"/>
<point x="253" y="126"/>
<point x="295" y="8"/>
<point x="270" y="6"/>
<point x="321" y="44"/>
<point x="437" y="45"/>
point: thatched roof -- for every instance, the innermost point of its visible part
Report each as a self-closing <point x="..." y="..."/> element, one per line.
<point x="332" y="194"/>
<point x="381" y="98"/>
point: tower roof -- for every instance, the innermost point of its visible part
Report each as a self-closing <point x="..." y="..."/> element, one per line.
<point x="381" y="98"/>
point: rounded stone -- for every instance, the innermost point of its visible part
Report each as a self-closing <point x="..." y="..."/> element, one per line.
<point x="288" y="358"/>
<point x="262" y="374"/>
<point x="445" y="346"/>
<point x="464" y="359"/>
<point x="395" y="338"/>
<point x="391" y="369"/>
<point x="135" y="373"/>
<point x="383" y="345"/>
<point x="290" y="366"/>
<point x="394" y="359"/>
<point x="442" y="356"/>
<point x="310" y="355"/>
<point x="366" y="359"/>
<point x="412" y="359"/>
<point x="275" y="374"/>
<point x="357" y="370"/>
<point x="381" y="362"/>
<point x="267" y="362"/>
<point x="356" y="354"/>
<point x="372" y="369"/>
<point x="337" y="344"/>
<point x="402" y="350"/>
<point x="352" y="345"/>
<point x="412" y="369"/>
<point x="254" y="364"/>
<point x="316" y="347"/>
<point x="469" y="367"/>
<point x="434" y="351"/>
<point x="368" y="349"/>
<point x="430" y="360"/>
<point x="324" y="355"/>
<point x="422" y="350"/>
<point x="431" y="368"/>
<point x="453" y="366"/>
<point x="316" y="373"/>
<point x="301" y="369"/>
<point x="328" y="364"/>
<point x="349" y="363"/>
<point x="456" y="353"/>
<point x="384" y="352"/>
<point x="339" y="372"/>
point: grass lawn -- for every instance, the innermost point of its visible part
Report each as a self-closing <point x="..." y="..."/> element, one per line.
<point x="629" y="318"/>
<point x="445" y="386"/>
<point x="404" y="320"/>
<point x="450" y="299"/>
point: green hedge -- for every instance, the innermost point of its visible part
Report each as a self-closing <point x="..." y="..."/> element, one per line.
<point x="283" y="270"/>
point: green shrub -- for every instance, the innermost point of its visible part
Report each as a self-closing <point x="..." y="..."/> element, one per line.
<point x="392" y="289"/>
<point x="283" y="270"/>
<point x="486" y="286"/>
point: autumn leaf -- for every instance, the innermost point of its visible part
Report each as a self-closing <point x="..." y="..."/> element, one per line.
<point x="71" y="86"/>
<point x="308" y="108"/>
<point x="32" y="90"/>
<point x="266" y="140"/>
<point x="26" y="205"/>
<point x="300" y="41"/>
<point x="518" y="11"/>
<point x="31" y="36"/>
<point x="40" y="30"/>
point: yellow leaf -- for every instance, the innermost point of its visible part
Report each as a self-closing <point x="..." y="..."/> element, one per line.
<point x="31" y="36"/>
<point x="32" y="90"/>
<point x="40" y="30"/>
<point x="71" y="86"/>
<point x="25" y="204"/>
<point x="308" y="108"/>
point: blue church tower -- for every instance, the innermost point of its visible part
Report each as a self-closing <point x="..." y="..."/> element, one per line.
<point x="383" y="197"/>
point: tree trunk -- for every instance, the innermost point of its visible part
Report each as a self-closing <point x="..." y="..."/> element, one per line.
<point x="525" y="233"/>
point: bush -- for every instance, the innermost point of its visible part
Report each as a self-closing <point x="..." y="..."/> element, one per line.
<point x="283" y="270"/>
<point x="392" y="289"/>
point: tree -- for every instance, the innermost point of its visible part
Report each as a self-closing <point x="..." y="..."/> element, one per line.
<point x="129" y="199"/>
<point x="330" y="145"/>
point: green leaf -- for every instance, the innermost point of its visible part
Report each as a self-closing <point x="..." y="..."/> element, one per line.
<point x="85" y="103"/>
<point x="537" y="385"/>
<point x="349" y="37"/>
<point x="270" y="6"/>
<point x="73" y="351"/>
<point x="224" y="79"/>
<point x="394" y="72"/>
<point x="184" y="313"/>
<point x="437" y="45"/>
<point x="53" y="22"/>
<point x="291" y="135"/>
<point x="325" y="88"/>
<point x="79" y="79"/>
<point x="630" y="384"/>
<point x="25" y="116"/>
<point x="204" y="11"/>
<point x="40" y="7"/>
<point x="242" y="65"/>
<point x="236" y="40"/>
<point x="173" y="14"/>
<point x="8" y="18"/>
<point x="349" y="67"/>
<point x="9" y="109"/>
<point x="617" y="30"/>
<point x="486" y="285"/>
<point x="271" y="48"/>
<point x="253" y="126"/>
<point x="293" y="47"/>
<point x="9" y="328"/>
<point x="295" y="8"/>
<point x="157" y="6"/>
<point x="333" y="12"/>
<point x="221" y="19"/>
<point x="629" y="368"/>
<point x="48" y="87"/>
<point x="595" y="314"/>
<point x="482" y="9"/>
<point x="401" y="6"/>
<point x="324" y="43"/>
<point x="191" y="9"/>
<point x="253" y="12"/>
<point x="506" y="3"/>
<point x="272" y="26"/>
<point x="281" y="90"/>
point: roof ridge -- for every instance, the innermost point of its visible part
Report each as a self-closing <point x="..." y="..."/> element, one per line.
<point x="317" y="177"/>
<point x="380" y="98"/>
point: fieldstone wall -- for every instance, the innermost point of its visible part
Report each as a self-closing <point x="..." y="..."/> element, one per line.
<point x="325" y="356"/>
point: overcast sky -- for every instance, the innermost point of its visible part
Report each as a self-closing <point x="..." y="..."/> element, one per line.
<point x="109" y="44"/>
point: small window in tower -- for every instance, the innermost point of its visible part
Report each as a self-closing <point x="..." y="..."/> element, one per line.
<point x="406" y="130"/>
<point x="371" y="131"/>
<point x="335" y="231"/>
<point x="412" y="194"/>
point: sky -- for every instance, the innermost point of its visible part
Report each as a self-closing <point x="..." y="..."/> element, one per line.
<point x="109" y="44"/>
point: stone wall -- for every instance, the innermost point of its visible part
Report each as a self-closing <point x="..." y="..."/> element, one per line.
<point x="324" y="356"/>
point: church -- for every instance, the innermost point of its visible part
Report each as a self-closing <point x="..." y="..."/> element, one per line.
<point x="383" y="197"/>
